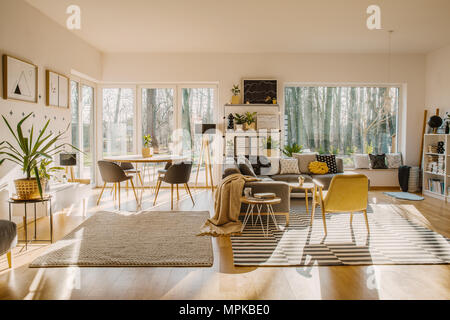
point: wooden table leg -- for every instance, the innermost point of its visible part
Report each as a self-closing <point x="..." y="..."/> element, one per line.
<point x="306" y="199"/>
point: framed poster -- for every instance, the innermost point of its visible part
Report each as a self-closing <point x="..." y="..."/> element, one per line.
<point x="57" y="89"/>
<point x="20" y="80"/>
<point x="261" y="91"/>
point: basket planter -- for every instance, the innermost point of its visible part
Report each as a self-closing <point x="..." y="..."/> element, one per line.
<point x="146" y="152"/>
<point x="251" y="126"/>
<point x="27" y="189"/>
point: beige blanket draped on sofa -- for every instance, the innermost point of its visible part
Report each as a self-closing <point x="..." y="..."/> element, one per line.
<point x="227" y="207"/>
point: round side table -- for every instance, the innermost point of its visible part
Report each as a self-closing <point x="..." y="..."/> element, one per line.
<point x="306" y="187"/>
<point x="45" y="200"/>
<point x="251" y="203"/>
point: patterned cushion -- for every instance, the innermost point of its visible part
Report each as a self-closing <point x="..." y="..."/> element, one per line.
<point x="361" y="161"/>
<point x="289" y="165"/>
<point x="378" y="161"/>
<point x="394" y="160"/>
<point x="330" y="160"/>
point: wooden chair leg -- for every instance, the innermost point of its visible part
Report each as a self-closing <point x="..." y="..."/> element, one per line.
<point x="324" y="219"/>
<point x="127" y="187"/>
<point x="101" y="193"/>
<point x="367" y="221"/>
<point x="314" y="204"/>
<point x="9" y="257"/>
<point x="134" y="191"/>
<point x="189" y="191"/>
<point x="140" y="179"/>
<point x="158" y="186"/>
<point x="178" y="194"/>
<point x="118" y="187"/>
<point x="171" y="197"/>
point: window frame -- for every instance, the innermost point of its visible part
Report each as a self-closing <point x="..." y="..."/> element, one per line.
<point x="401" y="103"/>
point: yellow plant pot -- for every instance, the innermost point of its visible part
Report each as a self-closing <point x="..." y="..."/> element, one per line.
<point x="235" y="100"/>
<point x="249" y="126"/>
<point x="146" y="152"/>
<point x="269" y="152"/>
<point x="27" y="189"/>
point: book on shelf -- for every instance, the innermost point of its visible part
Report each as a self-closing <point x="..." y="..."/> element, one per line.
<point x="436" y="186"/>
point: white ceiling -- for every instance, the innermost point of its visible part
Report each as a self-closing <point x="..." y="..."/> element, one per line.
<point x="289" y="26"/>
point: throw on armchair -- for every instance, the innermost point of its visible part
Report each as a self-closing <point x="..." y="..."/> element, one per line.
<point x="347" y="193"/>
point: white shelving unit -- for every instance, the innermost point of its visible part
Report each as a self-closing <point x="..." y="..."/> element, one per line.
<point x="441" y="177"/>
<point x="261" y="109"/>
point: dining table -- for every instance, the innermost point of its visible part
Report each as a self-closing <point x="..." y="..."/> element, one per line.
<point x="138" y="159"/>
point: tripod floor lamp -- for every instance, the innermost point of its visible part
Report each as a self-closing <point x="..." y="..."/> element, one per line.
<point x="206" y="130"/>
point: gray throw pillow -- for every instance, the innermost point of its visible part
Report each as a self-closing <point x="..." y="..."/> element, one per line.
<point x="304" y="159"/>
<point x="245" y="167"/>
<point x="378" y="161"/>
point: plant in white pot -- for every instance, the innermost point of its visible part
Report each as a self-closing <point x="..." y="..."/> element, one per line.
<point x="28" y="154"/>
<point x="239" y="120"/>
<point x="146" y="149"/>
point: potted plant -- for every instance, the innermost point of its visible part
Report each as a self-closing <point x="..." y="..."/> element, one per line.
<point x="146" y="150"/>
<point x="235" y="99"/>
<point x="239" y="120"/>
<point x="45" y="171"/>
<point x="250" y="121"/>
<point x="28" y="154"/>
<point x="289" y="150"/>
<point x="269" y="145"/>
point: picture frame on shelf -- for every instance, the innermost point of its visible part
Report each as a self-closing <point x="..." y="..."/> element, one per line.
<point x="57" y="89"/>
<point x="260" y="91"/>
<point x="20" y="79"/>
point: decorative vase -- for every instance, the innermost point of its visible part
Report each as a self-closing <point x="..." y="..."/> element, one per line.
<point x="251" y="126"/>
<point x="274" y="101"/>
<point x="239" y="127"/>
<point x="235" y="100"/>
<point x="301" y="180"/>
<point x="146" y="152"/>
<point x="230" y="122"/>
<point x="27" y="189"/>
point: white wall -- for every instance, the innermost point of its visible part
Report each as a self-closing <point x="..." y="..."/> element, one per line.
<point x="27" y="34"/>
<point x="228" y="69"/>
<point x="438" y="81"/>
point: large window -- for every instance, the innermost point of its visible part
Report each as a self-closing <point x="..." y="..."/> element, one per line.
<point x="82" y="102"/>
<point x="118" y="121"/>
<point x="342" y="120"/>
<point x="157" y="117"/>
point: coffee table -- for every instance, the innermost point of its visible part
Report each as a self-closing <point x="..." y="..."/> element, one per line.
<point x="306" y="187"/>
<point x="252" y="202"/>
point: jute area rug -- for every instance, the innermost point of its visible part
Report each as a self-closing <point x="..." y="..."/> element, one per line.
<point x="126" y="239"/>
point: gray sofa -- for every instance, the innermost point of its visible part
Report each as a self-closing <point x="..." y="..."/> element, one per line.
<point x="278" y="183"/>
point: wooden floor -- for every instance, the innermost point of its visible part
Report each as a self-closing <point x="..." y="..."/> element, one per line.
<point x="223" y="280"/>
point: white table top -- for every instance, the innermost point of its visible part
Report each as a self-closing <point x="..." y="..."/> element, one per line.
<point x="135" y="158"/>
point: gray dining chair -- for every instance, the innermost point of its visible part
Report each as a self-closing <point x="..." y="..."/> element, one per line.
<point x="175" y="174"/>
<point x="113" y="173"/>
<point x="130" y="170"/>
<point x="8" y="239"/>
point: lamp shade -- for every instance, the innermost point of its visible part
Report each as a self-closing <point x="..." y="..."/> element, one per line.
<point x="68" y="159"/>
<point x="205" y="128"/>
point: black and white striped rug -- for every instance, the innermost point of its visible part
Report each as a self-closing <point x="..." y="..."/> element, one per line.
<point x="392" y="240"/>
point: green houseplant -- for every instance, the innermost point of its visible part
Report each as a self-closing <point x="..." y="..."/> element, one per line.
<point x="269" y="145"/>
<point x="239" y="120"/>
<point x="146" y="151"/>
<point x="29" y="154"/>
<point x="250" y="121"/>
<point x="289" y="150"/>
<point x="45" y="169"/>
<point x="236" y="91"/>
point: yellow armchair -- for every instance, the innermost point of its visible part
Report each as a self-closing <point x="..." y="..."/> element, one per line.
<point x="347" y="193"/>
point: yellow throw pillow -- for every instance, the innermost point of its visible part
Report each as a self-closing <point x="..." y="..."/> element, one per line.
<point x="317" y="167"/>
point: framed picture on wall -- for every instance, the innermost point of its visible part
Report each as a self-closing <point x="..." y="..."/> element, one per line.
<point x="20" y="80"/>
<point x="261" y="91"/>
<point x="57" y="89"/>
